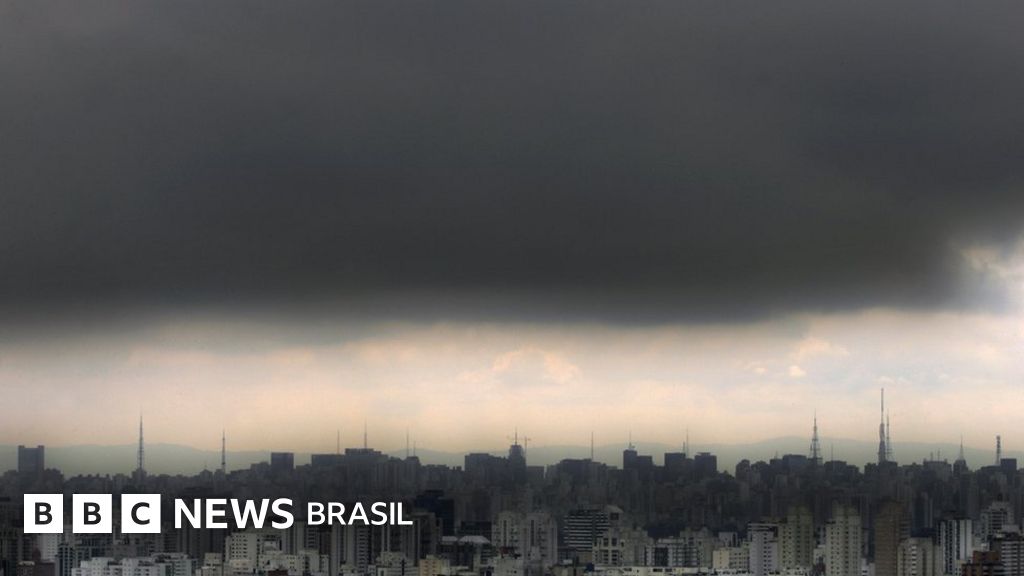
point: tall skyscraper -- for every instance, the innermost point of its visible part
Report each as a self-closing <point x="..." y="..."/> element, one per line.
<point x="956" y="544"/>
<point x="843" y="542"/>
<point x="31" y="460"/>
<point x="796" y="539"/>
<point x="282" y="462"/>
<point x="890" y="529"/>
<point x="764" y="548"/>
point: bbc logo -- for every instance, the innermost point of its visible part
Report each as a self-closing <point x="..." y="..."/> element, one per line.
<point x="92" y="513"/>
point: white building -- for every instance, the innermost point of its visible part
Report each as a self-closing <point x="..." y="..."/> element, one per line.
<point x="732" y="558"/>
<point x="917" y="557"/>
<point x="843" y="543"/>
<point x="532" y="536"/>
<point x="764" y="548"/>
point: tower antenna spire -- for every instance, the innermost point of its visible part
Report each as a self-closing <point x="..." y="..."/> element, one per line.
<point x="142" y="446"/>
<point x="888" y="440"/>
<point x="883" y="449"/>
<point x="140" y="470"/>
<point x="815" y="445"/>
<point x="223" y="452"/>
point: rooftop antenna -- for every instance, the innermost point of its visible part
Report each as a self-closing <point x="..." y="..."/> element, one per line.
<point x="142" y="447"/>
<point x="631" y="447"/>
<point x="407" y="442"/>
<point x="999" y="450"/>
<point x="883" y="450"/>
<point x="591" y="445"/>
<point x="223" y="452"/>
<point x="414" y="448"/>
<point x="888" y="440"/>
<point x="526" y="444"/>
<point x="815" y="445"/>
<point x="960" y="455"/>
<point x="365" y="443"/>
<point x="686" y="447"/>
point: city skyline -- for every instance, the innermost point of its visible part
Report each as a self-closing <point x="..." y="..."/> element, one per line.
<point x="850" y="452"/>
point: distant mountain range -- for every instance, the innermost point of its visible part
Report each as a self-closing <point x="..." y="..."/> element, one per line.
<point x="178" y="459"/>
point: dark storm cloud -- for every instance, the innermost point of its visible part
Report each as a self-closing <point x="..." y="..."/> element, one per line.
<point x="614" y="160"/>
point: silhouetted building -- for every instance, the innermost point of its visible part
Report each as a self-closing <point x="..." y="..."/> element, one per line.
<point x="282" y="462"/>
<point x="31" y="460"/>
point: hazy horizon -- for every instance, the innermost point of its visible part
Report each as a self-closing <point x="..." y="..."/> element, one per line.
<point x="168" y="458"/>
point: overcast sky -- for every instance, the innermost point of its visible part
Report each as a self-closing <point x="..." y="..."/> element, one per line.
<point x="611" y="214"/>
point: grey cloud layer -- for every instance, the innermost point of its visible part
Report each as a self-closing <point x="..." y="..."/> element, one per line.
<point x="614" y="160"/>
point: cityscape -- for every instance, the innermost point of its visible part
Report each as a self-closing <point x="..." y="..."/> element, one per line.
<point x="805" y="514"/>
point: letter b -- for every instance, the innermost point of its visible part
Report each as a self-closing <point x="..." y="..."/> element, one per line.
<point x="44" y="513"/>
<point x="92" y="514"/>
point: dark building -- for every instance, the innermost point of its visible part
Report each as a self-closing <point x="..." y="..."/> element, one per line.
<point x="282" y="462"/>
<point x="705" y="464"/>
<point x="31" y="460"/>
<point x="890" y="530"/>
<point x="983" y="563"/>
<point x="325" y="460"/>
<point x="1008" y="466"/>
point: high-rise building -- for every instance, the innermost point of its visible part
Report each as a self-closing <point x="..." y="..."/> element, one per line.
<point x="582" y="527"/>
<point x="705" y="465"/>
<point x="1011" y="553"/>
<point x="890" y="529"/>
<point x="843" y="542"/>
<point x="31" y="460"/>
<point x="796" y="539"/>
<point x="917" y="557"/>
<point x="764" y="548"/>
<point x="993" y="518"/>
<point x="532" y="536"/>
<point x="956" y="544"/>
<point x="282" y="462"/>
